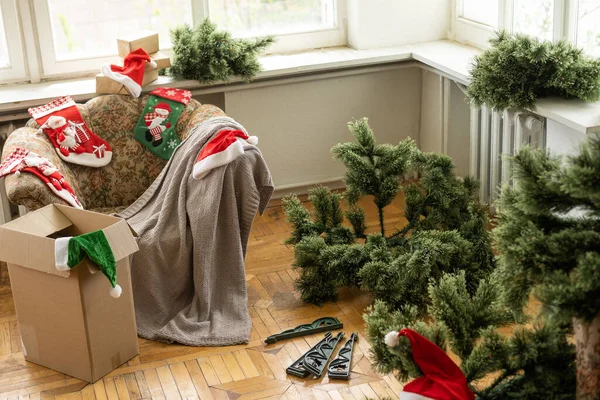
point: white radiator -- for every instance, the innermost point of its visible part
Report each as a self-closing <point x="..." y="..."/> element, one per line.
<point x="495" y="134"/>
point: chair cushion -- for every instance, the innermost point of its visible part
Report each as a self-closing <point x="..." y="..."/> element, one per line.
<point x="133" y="168"/>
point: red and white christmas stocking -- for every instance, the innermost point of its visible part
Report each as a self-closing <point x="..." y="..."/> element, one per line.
<point x="226" y="146"/>
<point x="72" y="138"/>
<point x="23" y="160"/>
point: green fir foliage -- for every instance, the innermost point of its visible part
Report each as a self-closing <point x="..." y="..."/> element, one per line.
<point x="533" y="363"/>
<point x="548" y="238"/>
<point x="548" y="234"/>
<point x="373" y="169"/>
<point x="207" y="54"/>
<point x="446" y="230"/>
<point x="518" y="69"/>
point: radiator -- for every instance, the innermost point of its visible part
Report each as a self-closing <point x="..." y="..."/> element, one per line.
<point x="494" y="136"/>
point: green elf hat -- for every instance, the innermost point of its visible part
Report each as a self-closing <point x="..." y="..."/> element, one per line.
<point x="70" y="251"/>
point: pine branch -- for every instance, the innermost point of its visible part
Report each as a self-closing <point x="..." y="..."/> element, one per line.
<point x="518" y="69"/>
<point x="381" y="226"/>
<point x="206" y="54"/>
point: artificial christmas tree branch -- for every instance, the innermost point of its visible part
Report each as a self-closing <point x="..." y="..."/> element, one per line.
<point x="548" y="237"/>
<point x="531" y="363"/>
<point x="518" y="69"/>
<point x="446" y="230"/>
<point x="207" y="54"/>
<point x="433" y="275"/>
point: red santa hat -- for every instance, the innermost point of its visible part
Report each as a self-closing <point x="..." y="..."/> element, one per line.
<point x="441" y="380"/>
<point x="131" y="74"/>
<point x="162" y="106"/>
<point x="225" y="147"/>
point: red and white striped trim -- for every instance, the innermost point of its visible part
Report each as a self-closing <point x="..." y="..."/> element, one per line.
<point x="55" y="105"/>
<point x="14" y="159"/>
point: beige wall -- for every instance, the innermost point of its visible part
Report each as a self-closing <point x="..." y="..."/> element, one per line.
<point x="444" y="107"/>
<point x="298" y="123"/>
<point x="459" y="138"/>
<point x="431" y="112"/>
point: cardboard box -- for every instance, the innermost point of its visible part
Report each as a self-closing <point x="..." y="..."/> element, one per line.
<point x="106" y="85"/>
<point x="161" y="59"/>
<point x="67" y="319"/>
<point x="146" y="40"/>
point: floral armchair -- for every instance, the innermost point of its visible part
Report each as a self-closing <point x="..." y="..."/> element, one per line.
<point x="111" y="188"/>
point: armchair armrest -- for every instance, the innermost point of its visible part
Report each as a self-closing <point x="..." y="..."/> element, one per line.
<point x="202" y="113"/>
<point x="28" y="190"/>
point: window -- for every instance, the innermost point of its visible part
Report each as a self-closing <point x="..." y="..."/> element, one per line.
<point x="481" y="11"/>
<point x="299" y="24"/>
<point x="4" y="58"/>
<point x="534" y="17"/>
<point x="474" y="21"/>
<point x="12" y="62"/>
<point x="85" y="32"/>
<point x="79" y="36"/>
<point x="75" y="37"/>
<point x="578" y="21"/>
<point x="260" y="17"/>
<point x="588" y="26"/>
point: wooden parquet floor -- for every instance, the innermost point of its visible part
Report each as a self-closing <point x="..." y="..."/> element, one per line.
<point x="245" y="372"/>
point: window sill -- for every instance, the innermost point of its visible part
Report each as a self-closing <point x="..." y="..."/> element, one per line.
<point x="445" y="57"/>
<point x="576" y="114"/>
<point x="449" y="57"/>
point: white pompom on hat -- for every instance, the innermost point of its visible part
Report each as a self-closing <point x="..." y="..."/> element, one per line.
<point x="131" y="74"/>
<point x="225" y="147"/>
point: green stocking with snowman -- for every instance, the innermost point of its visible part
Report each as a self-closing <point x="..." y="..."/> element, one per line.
<point x="156" y="127"/>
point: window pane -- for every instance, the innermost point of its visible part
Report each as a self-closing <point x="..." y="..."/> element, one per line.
<point x="588" y="27"/>
<point x="534" y="17"/>
<point x="83" y="29"/>
<point x="260" y="17"/>
<point x="4" y="60"/>
<point x="482" y="11"/>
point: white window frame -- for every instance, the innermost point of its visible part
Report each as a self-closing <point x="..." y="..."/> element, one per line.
<point x="53" y="68"/>
<point x="564" y="23"/>
<point x="472" y="32"/>
<point x="17" y="67"/>
<point x="318" y="38"/>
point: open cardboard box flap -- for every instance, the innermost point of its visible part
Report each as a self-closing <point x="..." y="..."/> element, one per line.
<point x="24" y="241"/>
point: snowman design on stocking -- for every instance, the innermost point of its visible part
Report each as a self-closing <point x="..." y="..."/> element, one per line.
<point x="154" y="122"/>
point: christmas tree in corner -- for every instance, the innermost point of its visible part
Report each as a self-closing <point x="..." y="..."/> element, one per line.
<point x="549" y="239"/>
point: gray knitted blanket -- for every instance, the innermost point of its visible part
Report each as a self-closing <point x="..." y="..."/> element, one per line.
<point x="188" y="277"/>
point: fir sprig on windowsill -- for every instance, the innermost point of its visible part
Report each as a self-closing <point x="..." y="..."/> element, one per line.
<point x="518" y="69"/>
<point x="207" y="54"/>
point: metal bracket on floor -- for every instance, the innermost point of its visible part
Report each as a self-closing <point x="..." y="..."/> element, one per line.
<point x="298" y="368"/>
<point x="318" y="325"/>
<point x="339" y="368"/>
<point x="316" y="359"/>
